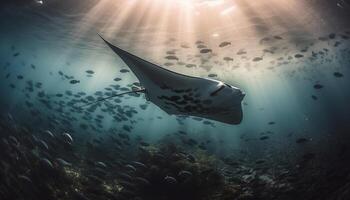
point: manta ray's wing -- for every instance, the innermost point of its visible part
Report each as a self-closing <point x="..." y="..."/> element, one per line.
<point x="157" y="81"/>
<point x="147" y="73"/>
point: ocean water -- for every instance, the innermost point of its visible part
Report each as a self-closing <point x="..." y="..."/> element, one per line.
<point x="291" y="58"/>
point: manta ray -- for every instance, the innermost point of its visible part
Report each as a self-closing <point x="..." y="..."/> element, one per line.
<point x="179" y="94"/>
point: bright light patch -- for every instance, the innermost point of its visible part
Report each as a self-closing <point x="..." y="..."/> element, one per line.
<point x="40" y="2"/>
<point x="228" y="10"/>
<point x="211" y="3"/>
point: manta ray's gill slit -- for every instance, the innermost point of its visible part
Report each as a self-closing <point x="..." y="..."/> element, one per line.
<point x="217" y="91"/>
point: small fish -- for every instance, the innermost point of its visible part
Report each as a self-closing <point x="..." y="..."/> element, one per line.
<point x="190" y="65"/>
<point x="241" y="52"/>
<point x="201" y="46"/>
<point x="49" y="133"/>
<point x="168" y="64"/>
<point x="89" y="71"/>
<point x="101" y="164"/>
<point x="67" y="138"/>
<point x="13" y="140"/>
<point x="314" y="97"/>
<point x="130" y="168"/>
<point x="142" y="181"/>
<point x="47" y="164"/>
<point x="228" y="59"/>
<point x="139" y="164"/>
<point x="332" y="36"/>
<point x="184" y="174"/>
<point x="224" y="44"/>
<point x="172" y="58"/>
<point x="338" y="74"/>
<point x="318" y="86"/>
<point x="25" y="179"/>
<point x="124" y="70"/>
<point x="170" y="180"/>
<point x="298" y="55"/>
<point x="74" y="81"/>
<point x="124" y="176"/>
<point x="185" y="46"/>
<point x="183" y="132"/>
<point x="264" y="137"/>
<point x="278" y="37"/>
<point x="43" y="145"/>
<point x="302" y="140"/>
<point x="260" y="161"/>
<point x="205" y="51"/>
<point x="257" y="59"/>
<point x="212" y="75"/>
<point x="16" y="54"/>
<point x="63" y="163"/>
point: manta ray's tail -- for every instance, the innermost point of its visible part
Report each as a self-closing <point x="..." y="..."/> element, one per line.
<point x="116" y="95"/>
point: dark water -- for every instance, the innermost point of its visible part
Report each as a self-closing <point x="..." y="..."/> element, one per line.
<point x="291" y="58"/>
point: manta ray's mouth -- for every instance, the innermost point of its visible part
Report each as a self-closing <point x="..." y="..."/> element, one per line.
<point x="242" y="94"/>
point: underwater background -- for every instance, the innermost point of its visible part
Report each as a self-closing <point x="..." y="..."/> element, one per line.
<point x="291" y="58"/>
